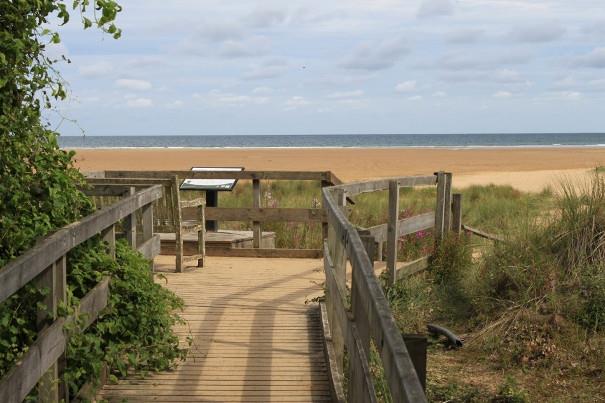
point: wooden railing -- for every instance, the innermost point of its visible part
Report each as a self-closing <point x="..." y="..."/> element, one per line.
<point x="165" y="210"/>
<point x="45" y="266"/>
<point x="361" y="314"/>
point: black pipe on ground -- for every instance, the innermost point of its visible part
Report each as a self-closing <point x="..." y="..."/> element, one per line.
<point x="454" y="341"/>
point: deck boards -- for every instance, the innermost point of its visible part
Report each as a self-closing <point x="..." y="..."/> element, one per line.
<point x="256" y="335"/>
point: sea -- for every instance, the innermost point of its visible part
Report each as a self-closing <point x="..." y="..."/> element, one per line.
<point x="474" y="140"/>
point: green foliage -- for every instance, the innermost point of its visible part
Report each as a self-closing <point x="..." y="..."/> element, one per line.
<point x="38" y="190"/>
<point x="39" y="194"/>
<point x="134" y="333"/>
<point x="510" y="392"/>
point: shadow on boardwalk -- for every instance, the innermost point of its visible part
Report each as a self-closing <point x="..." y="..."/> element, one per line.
<point x="255" y="337"/>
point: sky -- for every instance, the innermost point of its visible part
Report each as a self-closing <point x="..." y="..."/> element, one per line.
<point x="219" y="67"/>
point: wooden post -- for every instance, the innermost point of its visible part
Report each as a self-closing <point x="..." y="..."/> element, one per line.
<point x="201" y="236"/>
<point x="393" y="230"/>
<point x="324" y="225"/>
<point x="53" y="279"/>
<point x="130" y="225"/>
<point x="447" y="203"/>
<point x="379" y="252"/>
<point x="440" y="207"/>
<point x="147" y="221"/>
<point x="256" y="228"/>
<point x="457" y="213"/>
<point x="178" y="232"/>
<point x="109" y="236"/>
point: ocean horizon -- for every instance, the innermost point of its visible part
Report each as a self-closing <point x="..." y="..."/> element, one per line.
<point x="475" y="140"/>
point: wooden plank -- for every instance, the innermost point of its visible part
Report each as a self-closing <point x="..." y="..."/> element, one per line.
<point x="393" y="230"/>
<point x="107" y="190"/>
<point x="137" y="182"/>
<point x="482" y="234"/>
<point x="25" y="268"/>
<point x="256" y="228"/>
<point x="336" y="378"/>
<point x="440" y="206"/>
<point x="447" y="207"/>
<point x="457" y="213"/>
<point x="193" y="203"/>
<point x="405" y="226"/>
<point x="413" y="267"/>
<point x="151" y="247"/>
<point x="130" y="224"/>
<point x="147" y="221"/>
<point x="356" y="188"/>
<point x="361" y="388"/>
<point x="178" y="223"/>
<point x="276" y="175"/>
<point x="265" y="252"/>
<point x="48" y="347"/>
<point x="109" y="236"/>
<point x="259" y="214"/>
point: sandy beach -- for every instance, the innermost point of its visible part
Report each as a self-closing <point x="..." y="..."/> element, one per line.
<point x="529" y="169"/>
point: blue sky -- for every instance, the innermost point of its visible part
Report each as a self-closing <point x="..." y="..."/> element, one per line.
<point x="315" y="67"/>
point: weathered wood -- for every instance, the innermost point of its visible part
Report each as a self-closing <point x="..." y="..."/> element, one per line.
<point x="147" y="221"/>
<point x="361" y="388"/>
<point x="130" y="224"/>
<point x="53" y="281"/>
<point x="201" y="236"/>
<point x="151" y="247"/>
<point x="106" y="190"/>
<point x="92" y="304"/>
<point x="193" y="203"/>
<point x="277" y="175"/>
<point x="457" y="213"/>
<point x="393" y="230"/>
<point x="447" y="203"/>
<point x="440" y="207"/>
<point x="356" y="188"/>
<point x="266" y="252"/>
<point x="178" y="223"/>
<point x="413" y="267"/>
<point x="258" y="214"/>
<point x="399" y="371"/>
<point x="25" y="268"/>
<point x="336" y="378"/>
<point x="47" y="349"/>
<point x="482" y="234"/>
<point x="405" y="226"/>
<point x="109" y="236"/>
<point x="256" y="228"/>
<point x="137" y="182"/>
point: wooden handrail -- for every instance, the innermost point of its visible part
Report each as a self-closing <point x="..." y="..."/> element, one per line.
<point x="371" y="314"/>
<point x="45" y="264"/>
<point x="483" y="234"/>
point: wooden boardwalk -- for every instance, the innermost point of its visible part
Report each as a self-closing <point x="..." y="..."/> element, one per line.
<point x="257" y="335"/>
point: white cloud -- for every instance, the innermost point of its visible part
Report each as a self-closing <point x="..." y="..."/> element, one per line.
<point x="440" y="94"/>
<point x="96" y="69"/>
<point x="267" y="70"/>
<point x="262" y="90"/>
<point x="139" y="103"/>
<point x="406" y="86"/>
<point x="502" y="94"/>
<point x="538" y="32"/>
<point x="376" y="56"/>
<point x="435" y="8"/>
<point x="466" y="35"/>
<point x="415" y="98"/>
<point x="253" y="47"/>
<point x="594" y="59"/>
<point x="345" y="94"/>
<point x="176" y="104"/>
<point x="296" y="102"/>
<point x="133" y="85"/>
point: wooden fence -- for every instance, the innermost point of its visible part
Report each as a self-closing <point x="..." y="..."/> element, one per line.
<point x="164" y="209"/>
<point x="45" y="266"/>
<point x="361" y="315"/>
